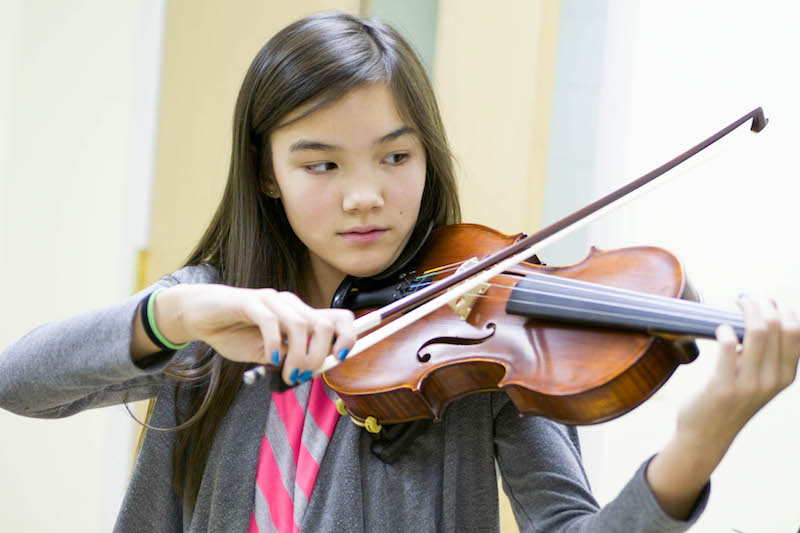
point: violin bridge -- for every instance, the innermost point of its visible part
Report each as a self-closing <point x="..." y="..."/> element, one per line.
<point x="462" y="305"/>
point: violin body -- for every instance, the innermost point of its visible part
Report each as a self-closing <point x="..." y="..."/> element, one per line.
<point x="575" y="374"/>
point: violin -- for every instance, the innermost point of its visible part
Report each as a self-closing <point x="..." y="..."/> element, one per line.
<point x="578" y="344"/>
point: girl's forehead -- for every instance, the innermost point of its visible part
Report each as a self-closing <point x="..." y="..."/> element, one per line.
<point x="364" y="113"/>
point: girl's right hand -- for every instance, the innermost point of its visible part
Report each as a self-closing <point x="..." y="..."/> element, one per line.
<point x="262" y="326"/>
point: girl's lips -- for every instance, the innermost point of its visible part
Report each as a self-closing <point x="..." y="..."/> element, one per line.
<point x="365" y="237"/>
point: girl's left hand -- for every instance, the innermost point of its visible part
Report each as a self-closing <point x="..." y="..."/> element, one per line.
<point x="746" y="377"/>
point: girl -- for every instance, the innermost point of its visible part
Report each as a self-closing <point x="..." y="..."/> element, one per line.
<point x="339" y="166"/>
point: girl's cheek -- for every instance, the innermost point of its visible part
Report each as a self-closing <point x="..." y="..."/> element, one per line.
<point x="409" y="184"/>
<point x="318" y="206"/>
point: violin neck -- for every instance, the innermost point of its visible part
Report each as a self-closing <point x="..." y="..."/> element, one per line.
<point x="551" y="298"/>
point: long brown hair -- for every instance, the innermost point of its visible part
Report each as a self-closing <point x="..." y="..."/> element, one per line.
<point x="250" y="241"/>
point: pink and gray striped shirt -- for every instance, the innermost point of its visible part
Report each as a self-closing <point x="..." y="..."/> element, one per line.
<point x="299" y="427"/>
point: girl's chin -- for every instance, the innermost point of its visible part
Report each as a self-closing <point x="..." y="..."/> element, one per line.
<point x="362" y="273"/>
<point x="361" y="270"/>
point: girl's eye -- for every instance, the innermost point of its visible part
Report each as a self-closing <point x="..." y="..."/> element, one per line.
<point x="320" y="168"/>
<point x="396" y="159"/>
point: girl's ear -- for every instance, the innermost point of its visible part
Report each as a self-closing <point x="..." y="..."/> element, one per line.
<point x="268" y="185"/>
<point x="270" y="188"/>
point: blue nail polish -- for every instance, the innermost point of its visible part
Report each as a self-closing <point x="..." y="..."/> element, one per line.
<point x="342" y="353"/>
<point x="742" y="295"/>
<point x="305" y="376"/>
<point x="293" y="376"/>
<point x="276" y="358"/>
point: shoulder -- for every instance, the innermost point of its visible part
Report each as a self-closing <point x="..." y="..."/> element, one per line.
<point x="202" y="273"/>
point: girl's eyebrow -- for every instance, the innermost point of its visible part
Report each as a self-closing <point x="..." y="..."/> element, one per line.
<point x="320" y="146"/>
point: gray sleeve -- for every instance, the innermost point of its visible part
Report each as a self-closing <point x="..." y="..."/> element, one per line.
<point x="544" y="479"/>
<point x="84" y="362"/>
<point x="150" y="503"/>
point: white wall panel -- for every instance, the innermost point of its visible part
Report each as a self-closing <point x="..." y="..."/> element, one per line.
<point x="77" y="109"/>
<point x="675" y="73"/>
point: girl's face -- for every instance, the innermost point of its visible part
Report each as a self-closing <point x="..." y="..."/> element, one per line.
<point x="350" y="176"/>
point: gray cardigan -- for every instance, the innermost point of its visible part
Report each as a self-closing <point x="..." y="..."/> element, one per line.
<point x="446" y="482"/>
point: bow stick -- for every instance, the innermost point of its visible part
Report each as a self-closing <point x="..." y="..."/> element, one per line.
<point x="436" y="295"/>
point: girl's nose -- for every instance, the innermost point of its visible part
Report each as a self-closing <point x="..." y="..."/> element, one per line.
<point x="362" y="197"/>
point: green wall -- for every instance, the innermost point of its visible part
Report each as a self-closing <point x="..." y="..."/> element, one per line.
<point x="415" y="19"/>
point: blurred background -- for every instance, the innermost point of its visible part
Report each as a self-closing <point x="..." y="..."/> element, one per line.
<point x="115" y="126"/>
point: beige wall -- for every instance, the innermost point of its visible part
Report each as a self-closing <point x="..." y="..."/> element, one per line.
<point x="208" y="46"/>
<point x="493" y="74"/>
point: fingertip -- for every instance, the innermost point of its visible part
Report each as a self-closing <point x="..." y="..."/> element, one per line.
<point x="725" y="334"/>
<point x="790" y="320"/>
<point x="344" y="342"/>
<point x="749" y="306"/>
<point x="289" y="377"/>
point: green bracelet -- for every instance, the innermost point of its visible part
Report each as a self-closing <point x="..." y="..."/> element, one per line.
<point x="151" y="319"/>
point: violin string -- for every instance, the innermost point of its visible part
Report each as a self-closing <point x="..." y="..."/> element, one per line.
<point x="691" y="312"/>
<point x="666" y="318"/>
<point x="674" y="311"/>
<point x="681" y="319"/>
<point x="713" y="315"/>
<point x="629" y="296"/>
<point x="442" y="269"/>
<point x="665" y="321"/>
<point x="561" y="281"/>
<point x="424" y="279"/>
<point x="452" y="267"/>
<point x="678" y="322"/>
<point x="672" y="304"/>
<point x="700" y="313"/>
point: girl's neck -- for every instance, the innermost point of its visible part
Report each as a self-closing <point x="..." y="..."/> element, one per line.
<point x="319" y="285"/>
